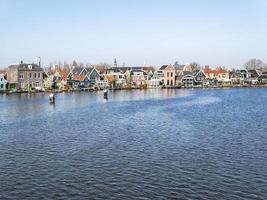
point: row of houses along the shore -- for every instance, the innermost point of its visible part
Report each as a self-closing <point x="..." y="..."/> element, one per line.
<point x="32" y="77"/>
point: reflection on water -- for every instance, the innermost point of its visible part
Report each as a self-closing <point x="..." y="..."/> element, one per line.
<point x="202" y="101"/>
<point x="139" y="144"/>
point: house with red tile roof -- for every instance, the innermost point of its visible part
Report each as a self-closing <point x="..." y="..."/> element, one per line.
<point x="219" y="75"/>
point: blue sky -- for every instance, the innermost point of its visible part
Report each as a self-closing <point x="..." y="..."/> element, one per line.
<point x="214" y="32"/>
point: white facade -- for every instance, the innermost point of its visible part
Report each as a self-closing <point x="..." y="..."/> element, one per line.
<point x="3" y="82"/>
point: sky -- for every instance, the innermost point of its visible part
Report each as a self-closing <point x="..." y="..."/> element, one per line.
<point x="136" y="32"/>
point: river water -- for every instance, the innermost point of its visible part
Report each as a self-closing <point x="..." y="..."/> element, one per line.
<point x="139" y="144"/>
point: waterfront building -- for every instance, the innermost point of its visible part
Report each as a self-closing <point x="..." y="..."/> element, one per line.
<point x="249" y="77"/>
<point x="93" y="76"/>
<point x="169" y="72"/>
<point x="25" y="77"/>
<point x="96" y="79"/>
<point x="263" y="78"/>
<point x="138" y="77"/>
<point x="116" y="77"/>
<point x="154" y="80"/>
<point x="185" y="78"/>
<point x="3" y="81"/>
<point x="48" y="81"/>
<point x="252" y="77"/>
<point x="235" y="77"/>
<point x="57" y="80"/>
<point x="77" y="78"/>
<point x="218" y="76"/>
<point x="199" y="77"/>
<point x="102" y="83"/>
<point x="64" y="78"/>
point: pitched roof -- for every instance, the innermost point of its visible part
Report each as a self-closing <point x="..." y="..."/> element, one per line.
<point x="185" y="73"/>
<point x="89" y="70"/>
<point x="253" y="73"/>
<point x="78" y="70"/>
<point x="78" y="77"/>
<point x="214" y="71"/>
<point x="243" y="71"/>
<point x="179" y="67"/>
<point x="263" y="75"/>
<point x="163" y="67"/>
<point x="64" y="74"/>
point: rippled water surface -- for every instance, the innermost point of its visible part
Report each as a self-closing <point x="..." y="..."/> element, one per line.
<point x="143" y="144"/>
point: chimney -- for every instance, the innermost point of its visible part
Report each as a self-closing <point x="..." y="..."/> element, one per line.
<point x="39" y="61"/>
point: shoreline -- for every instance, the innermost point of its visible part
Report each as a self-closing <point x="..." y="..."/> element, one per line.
<point x="152" y="88"/>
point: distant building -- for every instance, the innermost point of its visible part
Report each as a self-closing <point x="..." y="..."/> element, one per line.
<point x="235" y="77"/>
<point x="199" y="77"/>
<point x="263" y="78"/>
<point x="217" y="75"/>
<point x="77" y="78"/>
<point x="154" y="79"/>
<point x="169" y="72"/>
<point x="249" y="77"/>
<point x="64" y="78"/>
<point x="185" y="78"/>
<point x="25" y="77"/>
<point x="93" y="77"/>
<point x="138" y="77"/>
<point x="3" y="82"/>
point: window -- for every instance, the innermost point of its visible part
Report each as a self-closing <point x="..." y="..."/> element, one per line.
<point x="171" y="74"/>
<point x="1" y="79"/>
<point x="167" y="82"/>
<point x="35" y="75"/>
<point x="2" y="86"/>
<point x="167" y="74"/>
<point x="37" y="84"/>
<point x="21" y="76"/>
<point x="30" y="75"/>
<point x="39" y="75"/>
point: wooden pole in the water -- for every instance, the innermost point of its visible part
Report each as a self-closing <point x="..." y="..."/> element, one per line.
<point x="52" y="98"/>
<point x="105" y="94"/>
